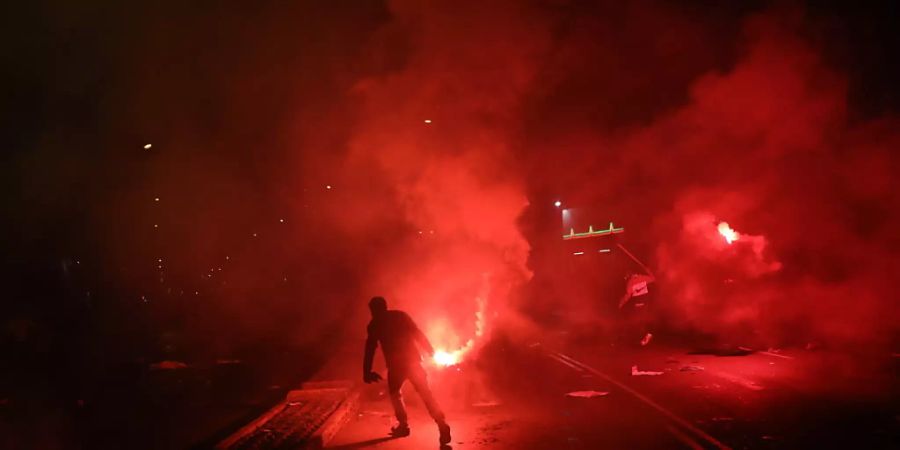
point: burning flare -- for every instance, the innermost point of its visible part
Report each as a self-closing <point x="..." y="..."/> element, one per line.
<point x="728" y="233"/>
<point x="445" y="359"/>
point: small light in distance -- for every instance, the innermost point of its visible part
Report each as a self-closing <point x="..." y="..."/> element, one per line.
<point x="557" y="203"/>
<point x="445" y="359"/>
<point x="147" y="147"/>
<point x="604" y="250"/>
<point x="327" y="186"/>
<point x="427" y="120"/>
<point x="578" y="253"/>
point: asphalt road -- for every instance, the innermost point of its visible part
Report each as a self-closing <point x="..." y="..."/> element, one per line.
<point x="515" y="397"/>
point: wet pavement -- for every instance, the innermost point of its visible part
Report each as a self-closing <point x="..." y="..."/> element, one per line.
<point x="671" y="399"/>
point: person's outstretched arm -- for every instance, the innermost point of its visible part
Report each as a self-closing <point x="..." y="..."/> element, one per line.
<point x="420" y="337"/>
<point x="368" y="356"/>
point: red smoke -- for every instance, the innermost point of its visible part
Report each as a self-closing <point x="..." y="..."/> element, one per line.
<point x="433" y="188"/>
<point x="437" y="125"/>
<point x="767" y="146"/>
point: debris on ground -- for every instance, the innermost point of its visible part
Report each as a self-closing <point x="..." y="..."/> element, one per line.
<point x="635" y="372"/>
<point x="168" y="365"/>
<point x="486" y="404"/>
<point x="646" y="339"/>
<point x="587" y="394"/>
<point x="691" y="368"/>
<point x="723" y="351"/>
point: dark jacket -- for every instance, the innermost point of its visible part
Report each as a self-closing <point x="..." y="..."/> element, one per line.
<point x="398" y="336"/>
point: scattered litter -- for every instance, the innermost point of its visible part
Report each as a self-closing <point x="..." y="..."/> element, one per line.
<point x="691" y="368"/>
<point x="722" y="351"/>
<point x="636" y="373"/>
<point x="587" y="394"/>
<point x="646" y="339"/>
<point x="168" y="365"/>
<point x="485" y="404"/>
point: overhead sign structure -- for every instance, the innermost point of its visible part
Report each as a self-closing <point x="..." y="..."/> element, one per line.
<point x="593" y="233"/>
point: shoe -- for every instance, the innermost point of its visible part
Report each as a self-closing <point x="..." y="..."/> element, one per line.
<point x="445" y="433"/>
<point x="401" y="430"/>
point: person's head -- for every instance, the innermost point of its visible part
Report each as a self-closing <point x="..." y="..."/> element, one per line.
<point x="378" y="306"/>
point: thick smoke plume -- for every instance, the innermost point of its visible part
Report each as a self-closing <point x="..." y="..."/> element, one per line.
<point x="433" y="191"/>
<point x="308" y="157"/>
<point x="765" y="145"/>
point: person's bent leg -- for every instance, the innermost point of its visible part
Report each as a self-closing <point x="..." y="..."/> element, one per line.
<point x="420" y="381"/>
<point x="395" y="382"/>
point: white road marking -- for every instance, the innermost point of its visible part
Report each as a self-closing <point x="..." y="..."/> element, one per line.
<point x="573" y="366"/>
<point x="740" y="381"/>
<point x="777" y="355"/>
<point x="672" y="416"/>
<point x="684" y="438"/>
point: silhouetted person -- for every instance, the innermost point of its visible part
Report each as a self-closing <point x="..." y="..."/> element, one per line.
<point x="398" y="336"/>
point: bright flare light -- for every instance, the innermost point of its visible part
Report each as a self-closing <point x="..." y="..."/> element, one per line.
<point x="728" y="233"/>
<point x="445" y="359"/>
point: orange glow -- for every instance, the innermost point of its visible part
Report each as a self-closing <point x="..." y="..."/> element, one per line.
<point x="728" y="233"/>
<point x="445" y="359"/>
<point x="448" y="339"/>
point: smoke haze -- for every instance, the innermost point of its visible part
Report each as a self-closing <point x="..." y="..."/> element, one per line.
<point x="308" y="157"/>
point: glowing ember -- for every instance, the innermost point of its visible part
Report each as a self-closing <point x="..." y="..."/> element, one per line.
<point x="445" y="359"/>
<point x="728" y="233"/>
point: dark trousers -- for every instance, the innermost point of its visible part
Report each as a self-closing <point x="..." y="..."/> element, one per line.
<point x="416" y="375"/>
